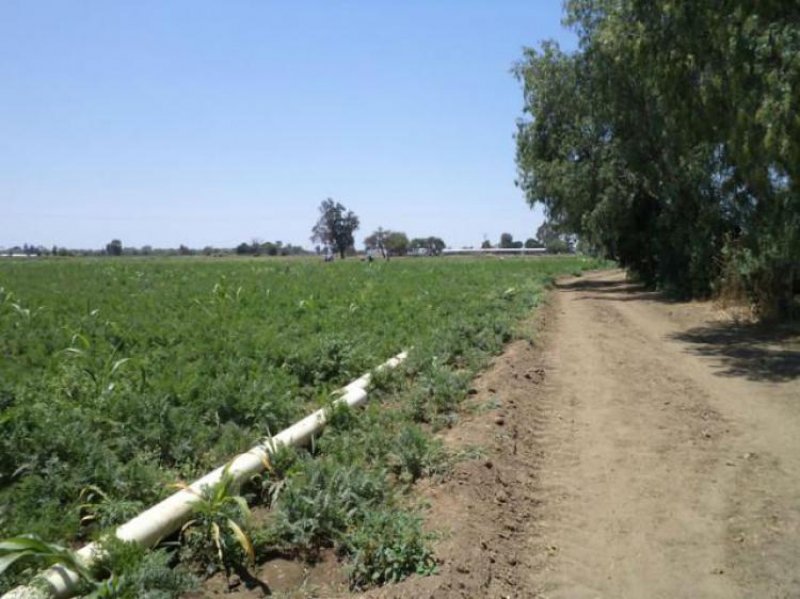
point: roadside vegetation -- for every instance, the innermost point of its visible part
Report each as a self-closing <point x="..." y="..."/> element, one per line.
<point x="670" y="142"/>
<point x="121" y="379"/>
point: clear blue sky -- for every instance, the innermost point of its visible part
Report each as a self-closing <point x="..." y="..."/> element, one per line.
<point x="211" y="123"/>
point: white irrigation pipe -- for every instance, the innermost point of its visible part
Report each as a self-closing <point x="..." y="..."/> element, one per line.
<point x="164" y="518"/>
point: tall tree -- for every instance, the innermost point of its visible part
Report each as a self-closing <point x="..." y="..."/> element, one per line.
<point x="435" y="245"/>
<point x="114" y="247"/>
<point x="432" y="245"/>
<point x="335" y="227"/>
<point x="669" y="140"/>
<point x="387" y="242"/>
<point x="397" y="243"/>
<point x="377" y="240"/>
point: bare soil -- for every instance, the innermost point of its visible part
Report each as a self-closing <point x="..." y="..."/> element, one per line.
<point x="636" y="448"/>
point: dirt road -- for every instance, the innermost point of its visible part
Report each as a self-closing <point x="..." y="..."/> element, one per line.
<point x="672" y="452"/>
<point x="642" y="448"/>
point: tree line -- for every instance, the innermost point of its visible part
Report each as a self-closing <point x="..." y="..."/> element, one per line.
<point x="334" y="233"/>
<point x="336" y="226"/>
<point x="670" y="142"/>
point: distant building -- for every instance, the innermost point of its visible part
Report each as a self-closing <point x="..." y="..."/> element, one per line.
<point x="504" y="251"/>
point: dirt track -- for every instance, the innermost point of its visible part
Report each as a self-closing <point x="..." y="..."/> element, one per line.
<point x="641" y="448"/>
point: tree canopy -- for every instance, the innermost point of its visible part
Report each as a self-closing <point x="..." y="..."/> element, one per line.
<point x="432" y="245"/>
<point x="388" y="242"/>
<point x="670" y="141"/>
<point x="114" y="247"/>
<point x="335" y="227"/>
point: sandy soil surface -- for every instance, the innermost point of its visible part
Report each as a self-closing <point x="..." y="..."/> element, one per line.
<point x="635" y="447"/>
<point x="640" y="448"/>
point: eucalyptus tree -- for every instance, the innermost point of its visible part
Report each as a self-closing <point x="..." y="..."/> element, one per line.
<point x="335" y="227"/>
<point x="670" y="140"/>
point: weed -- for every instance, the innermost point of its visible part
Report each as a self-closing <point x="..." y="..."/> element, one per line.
<point x="277" y="466"/>
<point x="318" y="505"/>
<point x="387" y="547"/>
<point x="128" y="571"/>
<point x="99" y="508"/>
<point x="416" y="454"/>
<point x="214" y="537"/>
<point x="31" y="549"/>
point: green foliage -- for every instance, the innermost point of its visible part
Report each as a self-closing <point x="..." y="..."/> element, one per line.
<point x="668" y="142"/>
<point x="318" y="504"/>
<point x="531" y="243"/>
<point x="114" y="248"/>
<point x="432" y="246"/>
<point x="123" y="571"/>
<point x="415" y="454"/>
<point x="335" y="227"/>
<point x="391" y="243"/>
<point x="100" y="508"/>
<point x="557" y="246"/>
<point x="344" y="498"/>
<point x="128" y="571"/>
<point x="30" y="548"/>
<point x="119" y="377"/>
<point x="278" y="465"/>
<point x="439" y="389"/>
<point x="214" y="537"/>
<point x="387" y="547"/>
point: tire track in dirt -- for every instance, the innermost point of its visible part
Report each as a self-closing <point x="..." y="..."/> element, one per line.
<point x="649" y="486"/>
<point x="623" y="483"/>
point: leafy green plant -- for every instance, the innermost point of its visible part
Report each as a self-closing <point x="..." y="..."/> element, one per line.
<point x="416" y="454"/>
<point x="126" y="570"/>
<point x="30" y="548"/>
<point x="388" y="546"/>
<point x="101" y="509"/>
<point x="277" y="466"/>
<point x="438" y="393"/>
<point x="318" y="504"/>
<point x="214" y="536"/>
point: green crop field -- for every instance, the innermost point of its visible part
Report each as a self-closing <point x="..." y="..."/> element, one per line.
<point x="119" y="378"/>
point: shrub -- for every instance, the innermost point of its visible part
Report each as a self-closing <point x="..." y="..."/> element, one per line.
<point x="388" y="546"/>
<point x="318" y="505"/>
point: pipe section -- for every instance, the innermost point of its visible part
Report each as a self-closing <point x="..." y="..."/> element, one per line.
<point x="164" y="518"/>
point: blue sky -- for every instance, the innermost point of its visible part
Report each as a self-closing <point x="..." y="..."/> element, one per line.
<point x="211" y="123"/>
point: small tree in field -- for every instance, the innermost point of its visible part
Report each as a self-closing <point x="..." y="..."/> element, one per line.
<point x="335" y="226"/>
<point x="394" y="243"/>
<point x="114" y="248"/>
<point x="397" y="243"/>
<point x="377" y="240"/>
<point x="532" y="243"/>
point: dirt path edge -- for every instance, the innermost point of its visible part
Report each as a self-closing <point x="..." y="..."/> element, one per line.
<point x="484" y="511"/>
